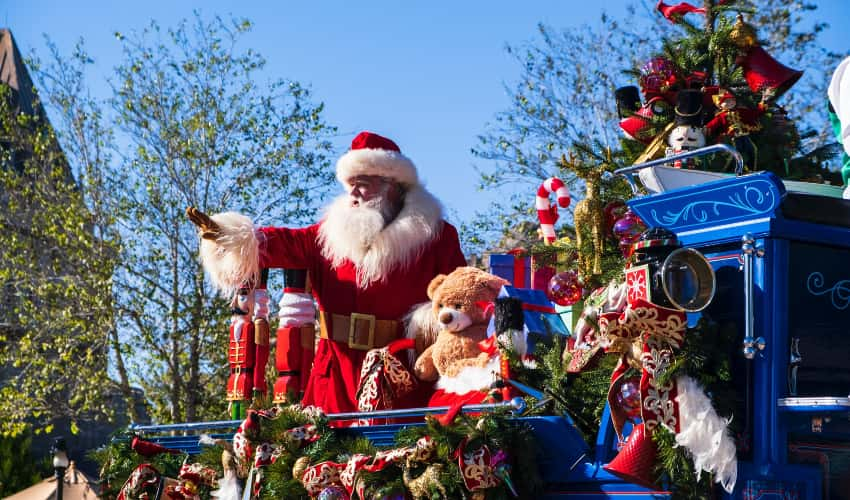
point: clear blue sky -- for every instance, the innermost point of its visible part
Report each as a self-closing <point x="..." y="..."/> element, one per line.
<point x="427" y="74"/>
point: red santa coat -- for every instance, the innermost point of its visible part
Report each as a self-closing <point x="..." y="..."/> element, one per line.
<point x="333" y="381"/>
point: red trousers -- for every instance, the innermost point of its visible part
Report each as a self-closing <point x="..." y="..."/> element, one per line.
<point x="335" y="375"/>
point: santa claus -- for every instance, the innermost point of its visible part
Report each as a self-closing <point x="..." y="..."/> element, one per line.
<point x="370" y="260"/>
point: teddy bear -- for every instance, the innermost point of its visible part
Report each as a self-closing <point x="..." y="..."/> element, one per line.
<point x="462" y="302"/>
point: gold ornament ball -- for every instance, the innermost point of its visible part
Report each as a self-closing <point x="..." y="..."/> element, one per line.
<point x="743" y="35"/>
<point x="299" y="467"/>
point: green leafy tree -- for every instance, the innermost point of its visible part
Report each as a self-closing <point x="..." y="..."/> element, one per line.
<point x="18" y="470"/>
<point x="56" y="278"/>
<point x="198" y="130"/>
<point x="187" y="124"/>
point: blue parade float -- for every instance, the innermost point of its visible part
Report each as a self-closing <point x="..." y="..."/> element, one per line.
<point x="780" y="252"/>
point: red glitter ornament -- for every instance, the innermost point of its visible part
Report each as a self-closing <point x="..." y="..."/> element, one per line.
<point x="628" y="230"/>
<point x="628" y="398"/>
<point x="564" y="288"/>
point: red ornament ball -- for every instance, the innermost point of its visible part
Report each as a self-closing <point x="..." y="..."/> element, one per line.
<point x="564" y="288"/>
<point x="628" y="398"/>
<point x="629" y="228"/>
<point x="333" y="493"/>
<point x="657" y="75"/>
<point x="614" y="211"/>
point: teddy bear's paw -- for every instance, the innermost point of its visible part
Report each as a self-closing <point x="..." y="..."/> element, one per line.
<point x="483" y="359"/>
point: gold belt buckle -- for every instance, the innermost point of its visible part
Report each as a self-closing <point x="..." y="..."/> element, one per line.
<point x="352" y="330"/>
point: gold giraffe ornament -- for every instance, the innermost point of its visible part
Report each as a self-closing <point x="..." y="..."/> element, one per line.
<point x="589" y="215"/>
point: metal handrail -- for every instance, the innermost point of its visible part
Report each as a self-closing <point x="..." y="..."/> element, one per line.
<point x="714" y="148"/>
<point x="517" y="405"/>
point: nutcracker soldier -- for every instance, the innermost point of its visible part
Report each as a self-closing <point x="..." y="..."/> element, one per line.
<point x="248" y="351"/>
<point x="687" y="133"/>
<point x="261" y="334"/>
<point x="736" y="123"/>
<point x="296" y="336"/>
<point x="241" y="353"/>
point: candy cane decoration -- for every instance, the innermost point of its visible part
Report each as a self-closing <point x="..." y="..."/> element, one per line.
<point x="546" y="213"/>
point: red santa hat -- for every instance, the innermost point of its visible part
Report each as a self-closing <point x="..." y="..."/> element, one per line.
<point x="372" y="154"/>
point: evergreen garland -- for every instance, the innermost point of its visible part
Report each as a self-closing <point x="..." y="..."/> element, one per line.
<point x="496" y="430"/>
<point x="118" y="461"/>
<point x="581" y="396"/>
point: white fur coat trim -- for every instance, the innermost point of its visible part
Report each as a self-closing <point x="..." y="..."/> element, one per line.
<point x="398" y="245"/>
<point x="233" y="258"/>
<point x="471" y="378"/>
<point x="705" y="434"/>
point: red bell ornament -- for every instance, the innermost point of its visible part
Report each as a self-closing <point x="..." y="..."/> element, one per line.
<point x="764" y="74"/>
<point x="636" y="460"/>
<point x="564" y="288"/>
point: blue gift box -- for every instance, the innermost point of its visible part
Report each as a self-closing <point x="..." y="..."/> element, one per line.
<point x="542" y="322"/>
<point x="504" y="266"/>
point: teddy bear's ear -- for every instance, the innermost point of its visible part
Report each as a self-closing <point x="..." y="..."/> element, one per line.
<point x="435" y="283"/>
<point x="496" y="283"/>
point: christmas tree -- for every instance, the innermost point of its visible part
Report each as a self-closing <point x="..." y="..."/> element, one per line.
<point x="714" y="82"/>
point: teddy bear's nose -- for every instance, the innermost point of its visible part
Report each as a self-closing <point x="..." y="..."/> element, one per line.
<point x="446" y="317"/>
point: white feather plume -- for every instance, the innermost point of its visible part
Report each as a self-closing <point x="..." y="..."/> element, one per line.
<point x="705" y="434"/>
<point x="228" y="488"/>
<point x="207" y="440"/>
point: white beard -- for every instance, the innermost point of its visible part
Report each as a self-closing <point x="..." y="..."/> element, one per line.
<point x="359" y="225"/>
<point x="362" y="235"/>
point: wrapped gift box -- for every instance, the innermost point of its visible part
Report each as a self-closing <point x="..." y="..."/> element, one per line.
<point x="514" y="268"/>
<point x="570" y="314"/>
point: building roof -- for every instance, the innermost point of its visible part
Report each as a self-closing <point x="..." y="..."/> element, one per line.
<point x="14" y="73"/>
<point x="77" y="486"/>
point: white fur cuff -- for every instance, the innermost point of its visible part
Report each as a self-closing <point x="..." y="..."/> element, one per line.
<point x="233" y="258"/>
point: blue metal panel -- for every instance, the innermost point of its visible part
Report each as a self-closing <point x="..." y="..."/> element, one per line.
<point x="802" y="480"/>
<point x="774" y="274"/>
<point x="814" y="233"/>
<point x="718" y="211"/>
<point x="591" y="481"/>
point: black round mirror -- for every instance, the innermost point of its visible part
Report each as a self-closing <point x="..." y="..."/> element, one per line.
<point x="687" y="280"/>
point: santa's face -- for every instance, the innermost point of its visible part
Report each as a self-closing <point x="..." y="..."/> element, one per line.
<point x="364" y="188"/>
<point x="686" y="137"/>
